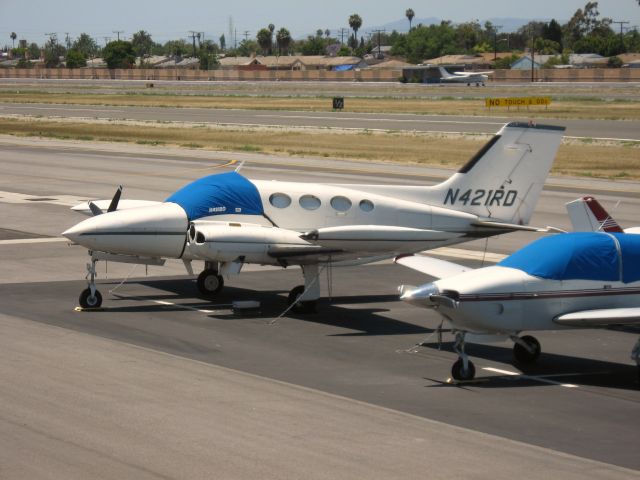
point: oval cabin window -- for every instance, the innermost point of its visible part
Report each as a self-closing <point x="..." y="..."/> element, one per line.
<point x="280" y="200"/>
<point x="341" y="204"/>
<point x="310" y="202"/>
<point x="366" y="205"/>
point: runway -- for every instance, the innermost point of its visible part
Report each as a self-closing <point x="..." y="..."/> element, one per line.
<point x="579" y="405"/>
<point x="607" y="129"/>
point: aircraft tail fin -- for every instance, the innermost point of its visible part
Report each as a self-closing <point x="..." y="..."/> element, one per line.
<point x="587" y="215"/>
<point x="502" y="182"/>
<point x="444" y="73"/>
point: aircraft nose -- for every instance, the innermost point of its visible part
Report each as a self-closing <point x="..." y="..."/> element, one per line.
<point x="153" y="231"/>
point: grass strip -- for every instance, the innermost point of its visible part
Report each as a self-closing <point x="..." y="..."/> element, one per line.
<point x="561" y="109"/>
<point x="576" y="158"/>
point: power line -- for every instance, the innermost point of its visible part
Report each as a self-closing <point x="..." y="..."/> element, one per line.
<point x="621" y="24"/>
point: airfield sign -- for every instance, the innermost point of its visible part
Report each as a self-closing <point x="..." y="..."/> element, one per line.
<point x="517" y="102"/>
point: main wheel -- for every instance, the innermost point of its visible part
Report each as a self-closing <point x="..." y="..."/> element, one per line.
<point x="308" y="306"/>
<point x="90" y="301"/>
<point x="523" y="355"/>
<point x="209" y="282"/>
<point x="458" y="372"/>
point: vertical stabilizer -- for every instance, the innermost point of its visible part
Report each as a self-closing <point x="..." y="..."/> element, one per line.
<point x="587" y="215"/>
<point x="503" y="181"/>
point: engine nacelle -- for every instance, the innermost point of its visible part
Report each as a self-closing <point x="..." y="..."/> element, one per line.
<point x="226" y="242"/>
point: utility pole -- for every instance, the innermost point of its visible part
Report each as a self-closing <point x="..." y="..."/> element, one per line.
<point x="67" y="40"/>
<point x="118" y="32"/>
<point x="384" y="30"/>
<point x="343" y="31"/>
<point x="621" y="24"/>
<point x="106" y="40"/>
<point x="193" y="40"/>
<point x="495" y="41"/>
<point x="53" y="37"/>
<point x="246" y="35"/>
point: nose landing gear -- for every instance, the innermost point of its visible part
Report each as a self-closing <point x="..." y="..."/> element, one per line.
<point x="463" y="369"/>
<point x="90" y="296"/>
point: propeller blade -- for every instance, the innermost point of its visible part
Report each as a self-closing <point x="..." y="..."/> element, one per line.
<point x="95" y="209"/>
<point x="115" y="200"/>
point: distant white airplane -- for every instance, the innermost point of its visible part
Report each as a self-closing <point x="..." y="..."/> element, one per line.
<point x="227" y="220"/>
<point x="479" y="78"/>
<point x="587" y="215"/>
<point x="564" y="281"/>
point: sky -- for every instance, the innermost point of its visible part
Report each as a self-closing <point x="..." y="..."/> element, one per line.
<point x="166" y="20"/>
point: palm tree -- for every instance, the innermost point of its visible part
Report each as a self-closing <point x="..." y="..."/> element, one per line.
<point x="327" y="32"/>
<point x="355" y="22"/>
<point x="410" y="14"/>
<point x="13" y="38"/>
<point x="283" y="38"/>
<point x="264" y="40"/>
<point x="319" y="32"/>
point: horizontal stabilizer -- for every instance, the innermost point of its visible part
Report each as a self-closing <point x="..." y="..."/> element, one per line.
<point x="512" y="227"/>
<point x="433" y="267"/>
<point x="600" y="318"/>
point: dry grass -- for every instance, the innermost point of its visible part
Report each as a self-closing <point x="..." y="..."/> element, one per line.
<point x="584" y="109"/>
<point x="576" y="158"/>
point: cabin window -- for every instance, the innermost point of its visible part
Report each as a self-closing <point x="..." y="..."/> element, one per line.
<point x="310" y="202"/>
<point x="366" y="205"/>
<point x="280" y="200"/>
<point x="341" y="204"/>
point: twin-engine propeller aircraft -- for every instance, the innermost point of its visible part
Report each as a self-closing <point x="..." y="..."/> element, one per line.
<point x="227" y="220"/>
<point x="479" y="78"/>
<point x="568" y="280"/>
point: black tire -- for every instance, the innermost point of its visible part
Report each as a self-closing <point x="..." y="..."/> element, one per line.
<point x="209" y="282"/>
<point x="308" y="306"/>
<point x="90" y="301"/>
<point x="458" y="372"/>
<point x="522" y="355"/>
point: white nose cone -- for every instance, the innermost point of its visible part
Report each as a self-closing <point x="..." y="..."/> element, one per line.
<point x="154" y="231"/>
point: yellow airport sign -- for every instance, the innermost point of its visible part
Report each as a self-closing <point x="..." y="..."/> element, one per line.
<point x="517" y="101"/>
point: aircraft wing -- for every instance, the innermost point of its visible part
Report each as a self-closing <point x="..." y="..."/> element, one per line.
<point x="600" y="318"/>
<point x="433" y="267"/>
<point x="469" y="74"/>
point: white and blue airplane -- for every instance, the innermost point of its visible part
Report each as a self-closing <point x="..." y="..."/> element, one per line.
<point x="227" y="220"/>
<point x="564" y="281"/>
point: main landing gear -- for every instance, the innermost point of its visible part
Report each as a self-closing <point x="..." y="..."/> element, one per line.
<point x="90" y="296"/>
<point x="525" y="350"/>
<point x="304" y="298"/>
<point x="210" y="282"/>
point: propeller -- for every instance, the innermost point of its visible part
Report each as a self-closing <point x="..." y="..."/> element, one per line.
<point x="113" y="206"/>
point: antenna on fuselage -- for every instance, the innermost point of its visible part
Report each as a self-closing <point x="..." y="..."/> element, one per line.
<point x="237" y="170"/>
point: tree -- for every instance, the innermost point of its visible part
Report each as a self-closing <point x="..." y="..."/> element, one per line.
<point x="552" y="31"/>
<point x="52" y="53"/>
<point x="13" y="37"/>
<point x="34" y="50"/>
<point x="142" y="43"/>
<point x="272" y="28"/>
<point x="264" y="40"/>
<point x="176" y="48"/>
<point x="223" y="42"/>
<point x="86" y="45"/>
<point x="319" y="32"/>
<point x="75" y="59"/>
<point x="409" y="13"/>
<point x="355" y="22"/>
<point x="283" y="38"/>
<point x="327" y="32"/>
<point x="119" y="54"/>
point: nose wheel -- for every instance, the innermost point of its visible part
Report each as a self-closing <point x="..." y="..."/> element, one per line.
<point x="90" y="296"/>
<point x="463" y="369"/>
